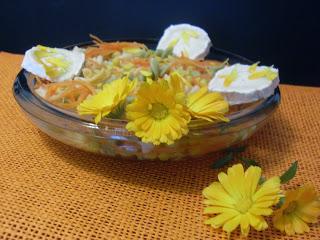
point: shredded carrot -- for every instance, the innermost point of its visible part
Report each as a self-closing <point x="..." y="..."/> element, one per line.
<point x="185" y="62"/>
<point x="92" y="52"/>
<point x="39" y="82"/>
<point x="106" y="48"/>
<point x="212" y="62"/>
<point x="142" y="62"/>
<point x="90" y="63"/>
<point x="195" y="80"/>
<point x="72" y="93"/>
<point x="96" y="39"/>
<point x="206" y="76"/>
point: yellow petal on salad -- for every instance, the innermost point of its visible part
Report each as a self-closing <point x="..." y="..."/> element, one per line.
<point x="173" y="43"/>
<point x="187" y="34"/>
<point x="53" y="64"/>
<point x="230" y="78"/>
<point x="252" y="68"/>
<point x="265" y="73"/>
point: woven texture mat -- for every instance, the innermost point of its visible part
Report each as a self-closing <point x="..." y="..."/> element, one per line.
<point x="51" y="191"/>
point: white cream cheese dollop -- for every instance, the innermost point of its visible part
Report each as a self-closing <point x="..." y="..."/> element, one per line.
<point x="244" y="83"/>
<point x="53" y="64"/>
<point x="187" y="40"/>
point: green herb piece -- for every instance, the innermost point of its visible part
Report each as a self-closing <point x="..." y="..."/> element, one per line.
<point x="219" y="163"/>
<point x="262" y="180"/>
<point x="203" y="82"/>
<point x="112" y="78"/>
<point x="164" y="68"/>
<point x="142" y="53"/>
<point x="155" y="68"/>
<point x="118" y="112"/>
<point x="150" y="53"/>
<point x="238" y="149"/>
<point x="194" y="73"/>
<point x="281" y="202"/>
<point x="290" y="173"/>
<point x="224" y="128"/>
<point x="146" y="73"/>
<point x="127" y="66"/>
<point x="167" y="52"/>
<point x="226" y="62"/>
<point x="159" y="52"/>
<point x="141" y="77"/>
<point x="248" y="162"/>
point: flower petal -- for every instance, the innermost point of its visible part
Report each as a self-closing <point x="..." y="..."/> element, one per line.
<point x="216" y="192"/>
<point x="278" y="221"/>
<point x="232" y="224"/>
<point x="260" y="211"/>
<point x="288" y="226"/>
<point x="215" y="210"/>
<point x="228" y="183"/>
<point x="244" y="224"/>
<point x="222" y="218"/>
<point x="252" y="177"/>
<point x="207" y="105"/>
<point x="257" y="222"/>
<point x="299" y="226"/>
<point x="271" y="187"/>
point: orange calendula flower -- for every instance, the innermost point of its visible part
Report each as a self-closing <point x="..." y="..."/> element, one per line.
<point x="301" y="206"/>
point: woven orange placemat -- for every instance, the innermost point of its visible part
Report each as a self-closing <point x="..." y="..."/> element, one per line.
<point x="51" y="191"/>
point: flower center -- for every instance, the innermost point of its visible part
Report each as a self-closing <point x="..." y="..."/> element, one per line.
<point x="291" y="208"/>
<point x="158" y="111"/>
<point x="243" y="205"/>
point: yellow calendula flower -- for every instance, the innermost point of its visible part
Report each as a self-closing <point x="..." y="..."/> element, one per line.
<point x="155" y="115"/>
<point x="238" y="199"/>
<point x="112" y="94"/>
<point x="301" y="206"/>
<point x="210" y="106"/>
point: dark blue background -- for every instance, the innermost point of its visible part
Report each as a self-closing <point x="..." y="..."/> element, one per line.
<point x="283" y="33"/>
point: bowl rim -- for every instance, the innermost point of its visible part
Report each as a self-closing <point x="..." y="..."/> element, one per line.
<point x="235" y="118"/>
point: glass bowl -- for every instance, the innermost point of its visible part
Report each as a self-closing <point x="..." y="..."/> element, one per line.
<point x="112" y="139"/>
